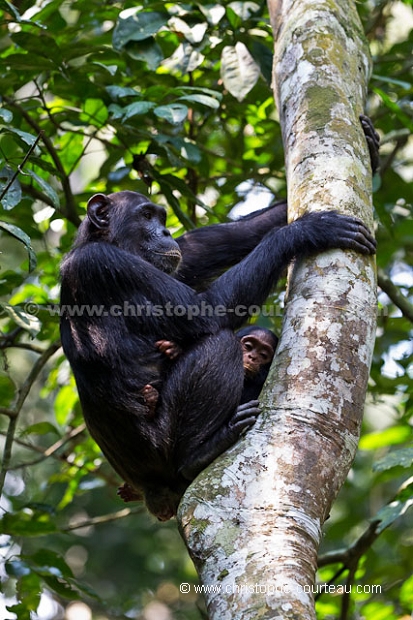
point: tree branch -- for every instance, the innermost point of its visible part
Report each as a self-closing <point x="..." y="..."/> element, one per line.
<point x="20" y="166"/>
<point x="14" y="411"/>
<point x="115" y="516"/>
<point x="396" y="296"/>
<point x="51" y="450"/>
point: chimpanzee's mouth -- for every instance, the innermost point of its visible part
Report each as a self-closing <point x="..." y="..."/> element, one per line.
<point x="169" y="253"/>
<point x="250" y="371"/>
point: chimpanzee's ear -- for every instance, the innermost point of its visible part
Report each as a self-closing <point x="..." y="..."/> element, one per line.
<point x="98" y="210"/>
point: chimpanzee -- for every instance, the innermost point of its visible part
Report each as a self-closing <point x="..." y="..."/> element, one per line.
<point x="258" y="346"/>
<point x="127" y="284"/>
<point x="258" y="349"/>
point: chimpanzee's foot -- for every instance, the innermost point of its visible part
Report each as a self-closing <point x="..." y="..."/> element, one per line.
<point x="128" y="493"/>
<point x="150" y="397"/>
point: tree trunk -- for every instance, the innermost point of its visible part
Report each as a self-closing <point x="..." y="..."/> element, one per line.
<point x="252" y="521"/>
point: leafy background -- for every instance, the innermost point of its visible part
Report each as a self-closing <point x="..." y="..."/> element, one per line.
<point x="172" y="98"/>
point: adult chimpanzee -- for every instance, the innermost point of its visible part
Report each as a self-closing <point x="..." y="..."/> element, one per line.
<point x="127" y="284"/>
<point x="126" y="262"/>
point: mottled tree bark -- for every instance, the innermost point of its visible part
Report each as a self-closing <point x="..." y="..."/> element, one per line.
<point x="252" y="521"/>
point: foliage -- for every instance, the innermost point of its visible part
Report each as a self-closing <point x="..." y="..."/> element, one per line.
<point x="172" y="98"/>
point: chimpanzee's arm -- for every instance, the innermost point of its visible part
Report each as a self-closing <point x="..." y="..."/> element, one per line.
<point x="249" y="282"/>
<point x="208" y="251"/>
<point x="101" y="275"/>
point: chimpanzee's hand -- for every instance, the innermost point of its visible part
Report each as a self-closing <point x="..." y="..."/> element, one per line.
<point x="169" y="348"/>
<point x="244" y="417"/>
<point x="327" y="229"/>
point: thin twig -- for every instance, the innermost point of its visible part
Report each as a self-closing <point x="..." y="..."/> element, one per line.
<point x="13" y="412"/>
<point x="395" y="295"/>
<point x="121" y="514"/>
<point x="21" y="166"/>
<point x="51" y="450"/>
<point x="349" y="558"/>
<point x="351" y="555"/>
<point x="33" y="374"/>
<point x="7" y="451"/>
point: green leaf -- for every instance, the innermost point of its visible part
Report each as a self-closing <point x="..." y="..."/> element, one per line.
<point x="402" y="457"/>
<point x="264" y="57"/>
<point x="27" y="523"/>
<point x="118" y="92"/>
<point x="239" y="12"/>
<point x="189" y="90"/>
<point x="13" y="195"/>
<point x="239" y="71"/>
<point x="9" y="8"/>
<point x="28" y="322"/>
<point x="174" y="113"/>
<point x="116" y="111"/>
<point x="29" y="591"/>
<point x="394" y="107"/>
<point x="7" y="389"/>
<point x="138" y="27"/>
<point x="135" y="109"/>
<point x="17" y="568"/>
<point x="41" y="428"/>
<point x="62" y="588"/>
<point x="39" y="45"/>
<point x="64" y="403"/>
<point x="191" y="152"/>
<point x="406" y="593"/>
<point x="48" y="189"/>
<point x="6" y="115"/>
<point x="188" y="150"/>
<point x="51" y="563"/>
<point x="29" y="62"/>
<point x="20" y="610"/>
<point x="391" y="512"/>
<point x="391" y="80"/>
<point x="390" y="436"/>
<point x="111" y="69"/>
<point x="204" y="100"/>
<point x="28" y="138"/>
<point x="94" y="112"/>
<point x="10" y="280"/>
<point x="146" y="51"/>
<point x="25" y="239"/>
